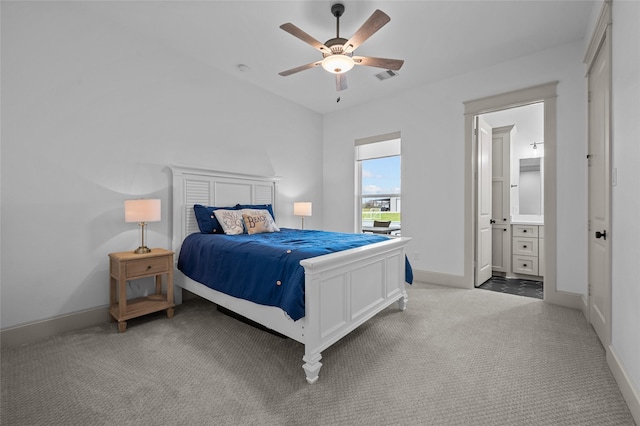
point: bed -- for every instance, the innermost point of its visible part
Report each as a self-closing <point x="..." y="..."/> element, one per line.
<point x="342" y="290"/>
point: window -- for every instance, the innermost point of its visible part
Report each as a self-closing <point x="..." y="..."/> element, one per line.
<point x="379" y="184"/>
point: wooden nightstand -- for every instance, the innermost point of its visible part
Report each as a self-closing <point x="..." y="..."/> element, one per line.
<point x="128" y="265"/>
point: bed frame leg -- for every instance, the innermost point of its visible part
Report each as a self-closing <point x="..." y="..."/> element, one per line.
<point x="311" y="367"/>
<point x="402" y="302"/>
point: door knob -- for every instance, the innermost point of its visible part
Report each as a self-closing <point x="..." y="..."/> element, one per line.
<point x="602" y="234"/>
<point x="491" y="221"/>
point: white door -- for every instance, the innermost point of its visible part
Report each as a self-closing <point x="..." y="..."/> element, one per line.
<point x="500" y="196"/>
<point x="484" y="232"/>
<point x="599" y="197"/>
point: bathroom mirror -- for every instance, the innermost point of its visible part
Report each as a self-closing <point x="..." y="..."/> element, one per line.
<point x="530" y="185"/>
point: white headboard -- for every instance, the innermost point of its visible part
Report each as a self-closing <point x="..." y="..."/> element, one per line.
<point x="193" y="185"/>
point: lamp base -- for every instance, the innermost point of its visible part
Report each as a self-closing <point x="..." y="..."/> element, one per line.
<point x="142" y="250"/>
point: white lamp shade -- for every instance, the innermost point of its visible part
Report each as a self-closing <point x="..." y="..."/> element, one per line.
<point x="337" y="64"/>
<point x="302" y="208"/>
<point x="142" y="210"/>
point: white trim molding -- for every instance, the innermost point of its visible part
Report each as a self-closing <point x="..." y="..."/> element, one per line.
<point x="26" y="333"/>
<point x="439" y="278"/>
<point x="630" y="393"/>
<point x="598" y="36"/>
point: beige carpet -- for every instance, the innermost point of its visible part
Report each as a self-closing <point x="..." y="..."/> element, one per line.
<point x="455" y="357"/>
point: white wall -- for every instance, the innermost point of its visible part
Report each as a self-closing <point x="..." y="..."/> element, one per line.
<point x="431" y="122"/>
<point x="625" y="339"/>
<point x="92" y="115"/>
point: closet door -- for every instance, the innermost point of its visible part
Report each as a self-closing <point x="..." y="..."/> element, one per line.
<point x="599" y="193"/>
<point x="500" y="198"/>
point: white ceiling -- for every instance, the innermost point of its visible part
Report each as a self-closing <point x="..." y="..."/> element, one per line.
<point x="437" y="39"/>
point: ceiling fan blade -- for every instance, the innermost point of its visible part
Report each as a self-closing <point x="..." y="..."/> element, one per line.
<point x="297" y="32"/>
<point x="390" y="64"/>
<point x="341" y="82"/>
<point x="300" y="68"/>
<point x="376" y="21"/>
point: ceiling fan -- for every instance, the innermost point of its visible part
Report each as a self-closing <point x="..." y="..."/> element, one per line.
<point x="337" y="52"/>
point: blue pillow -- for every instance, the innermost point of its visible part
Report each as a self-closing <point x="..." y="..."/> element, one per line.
<point x="257" y="207"/>
<point x="207" y="221"/>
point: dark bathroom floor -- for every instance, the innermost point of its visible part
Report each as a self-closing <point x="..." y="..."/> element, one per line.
<point x="517" y="286"/>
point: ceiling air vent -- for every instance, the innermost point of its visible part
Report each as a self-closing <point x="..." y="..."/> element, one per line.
<point x="386" y="74"/>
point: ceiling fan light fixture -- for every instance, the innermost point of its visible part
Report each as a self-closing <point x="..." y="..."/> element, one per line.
<point x="337" y="63"/>
<point x="337" y="53"/>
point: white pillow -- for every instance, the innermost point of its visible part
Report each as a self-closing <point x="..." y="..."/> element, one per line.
<point x="230" y="220"/>
<point x="258" y="221"/>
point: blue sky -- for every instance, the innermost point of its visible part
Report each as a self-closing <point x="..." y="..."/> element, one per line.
<point x="381" y="176"/>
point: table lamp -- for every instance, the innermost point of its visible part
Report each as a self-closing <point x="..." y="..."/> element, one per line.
<point x="142" y="211"/>
<point x="302" y="209"/>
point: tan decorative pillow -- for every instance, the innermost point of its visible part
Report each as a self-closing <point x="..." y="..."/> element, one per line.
<point x="258" y="221"/>
<point x="230" y="220"/>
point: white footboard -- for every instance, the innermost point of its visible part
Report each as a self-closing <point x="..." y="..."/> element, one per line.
<point x="342" y="291"/>
<point x="345" y="289"/>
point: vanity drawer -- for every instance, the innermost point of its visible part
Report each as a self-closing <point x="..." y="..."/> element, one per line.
<point x="525" y="231"/>
<point x="525" y="246"/>
<point x="525" y="265"/>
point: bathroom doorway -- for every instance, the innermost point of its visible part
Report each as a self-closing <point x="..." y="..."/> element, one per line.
<point x="517" y="200"/>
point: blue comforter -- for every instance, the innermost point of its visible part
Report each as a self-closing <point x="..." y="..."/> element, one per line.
<point x="264" y="268"/>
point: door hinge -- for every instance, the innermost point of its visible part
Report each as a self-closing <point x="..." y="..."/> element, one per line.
<point x="475" y="132"/>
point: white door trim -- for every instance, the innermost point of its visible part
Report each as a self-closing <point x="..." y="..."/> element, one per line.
<point x="598" y="36"/>
<point x="542" y="93"/>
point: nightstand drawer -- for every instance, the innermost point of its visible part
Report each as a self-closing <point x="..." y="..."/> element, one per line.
<point x="525" y="265"/>
<point x="525" y="246"/>
<point x="144" y="267"/>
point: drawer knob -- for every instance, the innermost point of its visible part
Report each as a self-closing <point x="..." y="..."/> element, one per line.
<point x="524" y="230"/>
<point x="524" y="265"/>
<point x="148" y="267"/>
<point x="524" y="246"/>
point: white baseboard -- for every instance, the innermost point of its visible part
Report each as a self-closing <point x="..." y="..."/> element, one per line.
<point x="458" y="281"/>
<point x="46" y="328"/>
<point x="562" y="298"/>
<point x="584" y="306"/>
<point x="630" y="393"/>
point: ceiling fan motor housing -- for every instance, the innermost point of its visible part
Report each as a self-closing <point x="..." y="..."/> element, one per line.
<point x="336" y="45"/>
